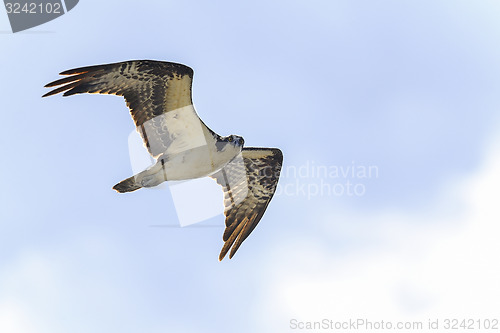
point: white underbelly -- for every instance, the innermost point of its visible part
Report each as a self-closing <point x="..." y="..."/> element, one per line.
<point x="194" y="163"/>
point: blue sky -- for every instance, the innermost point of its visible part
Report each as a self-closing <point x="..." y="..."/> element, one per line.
<point x="408" y="87"/>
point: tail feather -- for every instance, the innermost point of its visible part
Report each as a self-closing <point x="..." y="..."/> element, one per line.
<point x="127" y="185"/>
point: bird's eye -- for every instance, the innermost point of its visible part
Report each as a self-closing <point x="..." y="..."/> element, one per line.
<point x="230" y="139"/>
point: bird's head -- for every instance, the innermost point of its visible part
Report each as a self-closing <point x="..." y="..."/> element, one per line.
<point x="232" y="142"/>
<point x="235" y="140"/>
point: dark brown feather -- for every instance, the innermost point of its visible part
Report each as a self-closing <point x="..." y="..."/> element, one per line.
<point x="150" y="88"/>
<point x="248" y="190"/>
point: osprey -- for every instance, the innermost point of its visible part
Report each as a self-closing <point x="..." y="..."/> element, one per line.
<point x="158" y="95"/>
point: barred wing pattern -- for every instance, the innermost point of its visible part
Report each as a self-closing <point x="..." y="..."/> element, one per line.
<point x="248" y="189"/>
<point x="151" y="90"/>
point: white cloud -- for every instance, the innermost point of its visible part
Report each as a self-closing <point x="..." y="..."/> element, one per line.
<point x="28" y="286"/>
<point x="14" y="319"/>
<point x="402" y="266"/>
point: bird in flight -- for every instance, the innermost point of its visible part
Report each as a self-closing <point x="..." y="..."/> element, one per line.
<point x="158" y="95"/>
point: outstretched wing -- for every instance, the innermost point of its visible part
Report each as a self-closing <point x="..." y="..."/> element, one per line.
<point x="157" y="93"/>
<point x="249" y="183"/>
